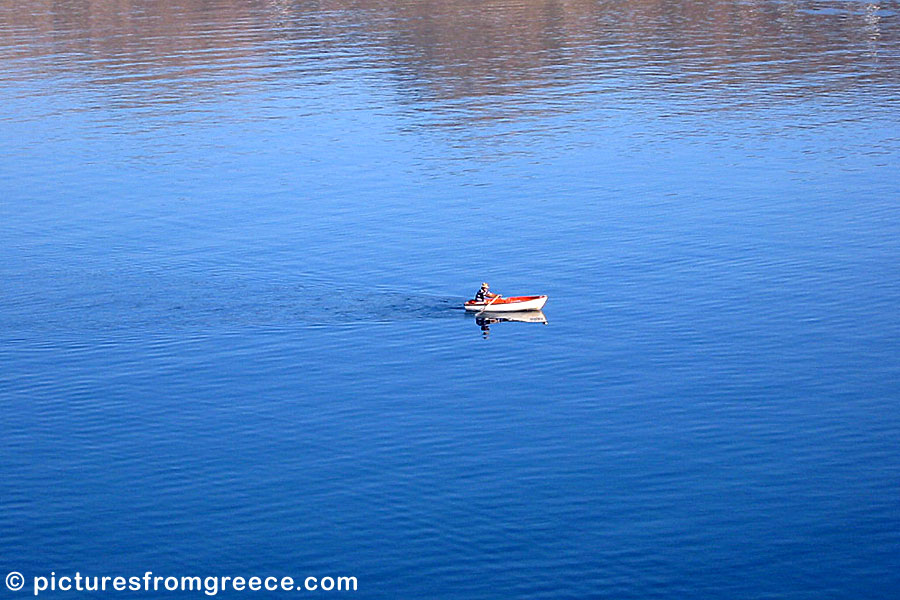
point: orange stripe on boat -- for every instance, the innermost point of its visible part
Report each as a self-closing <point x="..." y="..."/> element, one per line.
<point x="510" y="300"/>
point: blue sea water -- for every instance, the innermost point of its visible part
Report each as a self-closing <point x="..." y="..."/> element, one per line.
<point x="235" y="239"/>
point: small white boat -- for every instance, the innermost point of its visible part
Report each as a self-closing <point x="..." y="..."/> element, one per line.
<point x="511" y="304"/>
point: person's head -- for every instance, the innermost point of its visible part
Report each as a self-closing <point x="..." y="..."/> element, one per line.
<point x="484" y="285"/>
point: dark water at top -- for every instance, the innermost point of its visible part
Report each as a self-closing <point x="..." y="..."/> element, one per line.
<point x="235" y="237"/>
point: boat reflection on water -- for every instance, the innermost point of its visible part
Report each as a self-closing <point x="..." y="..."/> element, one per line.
<point x="486" y="319"/>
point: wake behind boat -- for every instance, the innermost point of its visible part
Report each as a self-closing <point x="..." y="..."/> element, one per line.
<point x="511" y="304"/>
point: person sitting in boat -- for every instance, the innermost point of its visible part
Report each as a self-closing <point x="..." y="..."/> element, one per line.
<point x="484" y="293"/>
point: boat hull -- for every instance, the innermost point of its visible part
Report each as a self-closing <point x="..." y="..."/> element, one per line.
<point x="512" y="304"/>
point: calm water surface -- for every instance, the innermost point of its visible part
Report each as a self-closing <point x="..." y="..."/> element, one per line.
<point x="234" y="241"/>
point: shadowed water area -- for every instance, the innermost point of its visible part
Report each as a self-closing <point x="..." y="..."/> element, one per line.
<point x="235" y="239"/>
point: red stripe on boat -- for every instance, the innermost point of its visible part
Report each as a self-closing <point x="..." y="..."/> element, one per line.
<point x="510" y="300"/>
